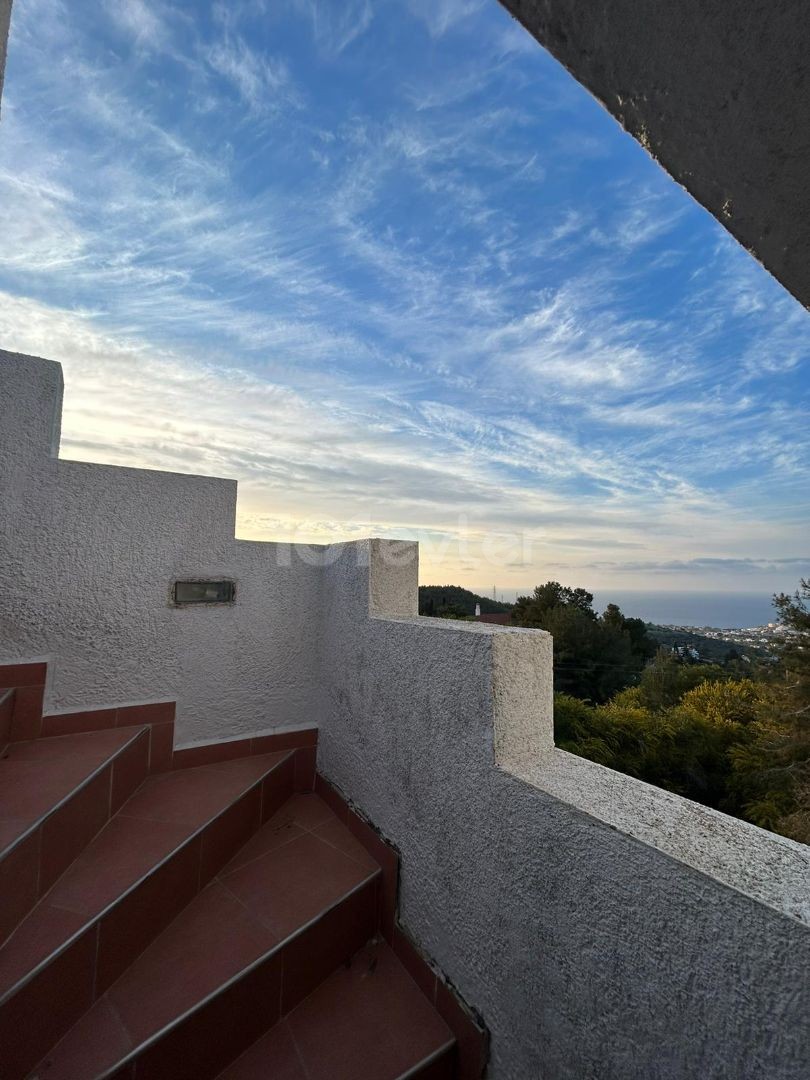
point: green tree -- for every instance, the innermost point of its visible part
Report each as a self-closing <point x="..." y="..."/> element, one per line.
<point x="771" y="779"/>
<point x="726" y="701"/>
<point x="664" y="682"/>
<point x="684" y="748"/>
<point x="737" y="742"/>
<point x="594" y="656"/>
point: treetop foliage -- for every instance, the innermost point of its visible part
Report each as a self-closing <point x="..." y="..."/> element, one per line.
<point x="737" y="743"/>
<point x="594" y="655"/>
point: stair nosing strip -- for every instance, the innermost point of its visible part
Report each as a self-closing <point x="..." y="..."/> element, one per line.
<point x="138" y="731"/>
<point x="234" y="979"/>
<point x="428" y="1059"/>
<point x="23" y="982"/>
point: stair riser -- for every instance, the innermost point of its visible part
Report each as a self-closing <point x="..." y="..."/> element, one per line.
<point x="46" y="1007"/>
<point x="203" y="1044"/>
<point x="26" y="721"/>
<point x="19" y="881"/>
<point x="126" y="929"/>
<point x="28" y="682"/>
<point x="211" y="753"/>
<point x="442" y="1068"/>
<point x="31" y="867"/>
<point x="159" y="716"/>
<point x="6" y="716"/>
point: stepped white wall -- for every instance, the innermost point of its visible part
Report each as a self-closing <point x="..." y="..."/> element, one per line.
<point x="606" y="930"/>
<point x="88" y="554"/>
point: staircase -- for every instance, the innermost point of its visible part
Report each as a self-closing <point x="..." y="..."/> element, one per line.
<point x="217" y="920"/>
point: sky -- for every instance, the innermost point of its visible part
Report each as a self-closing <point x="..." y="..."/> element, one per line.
<point x="392" y="268"/>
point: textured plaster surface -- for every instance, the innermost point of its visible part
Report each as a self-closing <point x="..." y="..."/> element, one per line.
<point x="88" y="555"/>
<point x="761" y="864"/>
<point x="393" y="577"/>
<point x="5" y="19"/>
<point x="591" y="950"/>
<point x="523" y="696"/>
<point x="604" y="929"/>
<point x="718" y="93"/>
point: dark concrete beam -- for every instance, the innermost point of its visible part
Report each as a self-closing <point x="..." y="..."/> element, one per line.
<point x="5" y="19"/>
<point x="717" y="91"/>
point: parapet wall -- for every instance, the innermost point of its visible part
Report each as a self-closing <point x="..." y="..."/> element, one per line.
<point x="604" y="929"/>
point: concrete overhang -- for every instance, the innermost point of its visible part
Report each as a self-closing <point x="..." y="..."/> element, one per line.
<point x="717" y="92"/>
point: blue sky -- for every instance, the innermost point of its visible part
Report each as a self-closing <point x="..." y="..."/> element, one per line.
<point x="393" y="269"/>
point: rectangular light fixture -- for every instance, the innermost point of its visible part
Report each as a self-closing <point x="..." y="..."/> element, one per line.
<point x="204" y="592"/>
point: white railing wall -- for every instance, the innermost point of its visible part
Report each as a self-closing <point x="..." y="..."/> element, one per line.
<point x="604" y="928"/>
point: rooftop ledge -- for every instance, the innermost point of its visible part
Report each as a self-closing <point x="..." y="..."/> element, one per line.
<point x="762" y="865"/>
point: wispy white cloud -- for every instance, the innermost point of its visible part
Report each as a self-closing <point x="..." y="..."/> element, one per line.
<point x="392" y="302"/>
<point x="443" y="15"/>
<point x="39" y="233"/>
<point x="337" y="26"/>
<point x="142" y="21"/>
<point x="262" y="82"/>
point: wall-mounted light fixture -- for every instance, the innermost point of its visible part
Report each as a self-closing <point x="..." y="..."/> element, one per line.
<point x="204" y="592"/>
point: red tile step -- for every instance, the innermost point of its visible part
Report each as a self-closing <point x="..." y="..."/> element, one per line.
<point x="55" y="795"/>
<point x="166" y="841"/>
<point x="368" y="1021"/>
<point x="297" y="901"/>
<point x="158" y="715"/>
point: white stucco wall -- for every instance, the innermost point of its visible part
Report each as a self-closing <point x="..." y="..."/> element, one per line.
<point x="605" y="930"/>
<point x="88" y="554"/>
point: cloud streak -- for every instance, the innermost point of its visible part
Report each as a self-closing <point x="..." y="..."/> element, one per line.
<point x="375" y="287"/>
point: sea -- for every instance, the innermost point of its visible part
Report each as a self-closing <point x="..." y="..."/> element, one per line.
<point x="725" y="611"/>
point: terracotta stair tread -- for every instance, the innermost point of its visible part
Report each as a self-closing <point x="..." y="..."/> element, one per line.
<point x="368" y="1020"/>
<point x="298" y="867"/>
<point x="164" y="814"/>
<point x="191" y="796"/>
<point x="37" y="777"/>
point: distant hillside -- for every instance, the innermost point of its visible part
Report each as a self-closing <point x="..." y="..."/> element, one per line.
<point x="453" y="600"/>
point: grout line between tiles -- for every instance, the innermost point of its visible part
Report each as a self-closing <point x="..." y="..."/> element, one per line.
<point x="95" y="963"/>
<point x="253" y="916"/>
<point x="296" y="1047"/>
<point x="263" y="854"/>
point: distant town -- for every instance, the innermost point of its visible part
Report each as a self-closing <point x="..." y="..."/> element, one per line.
<point x="711" y="643"/>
